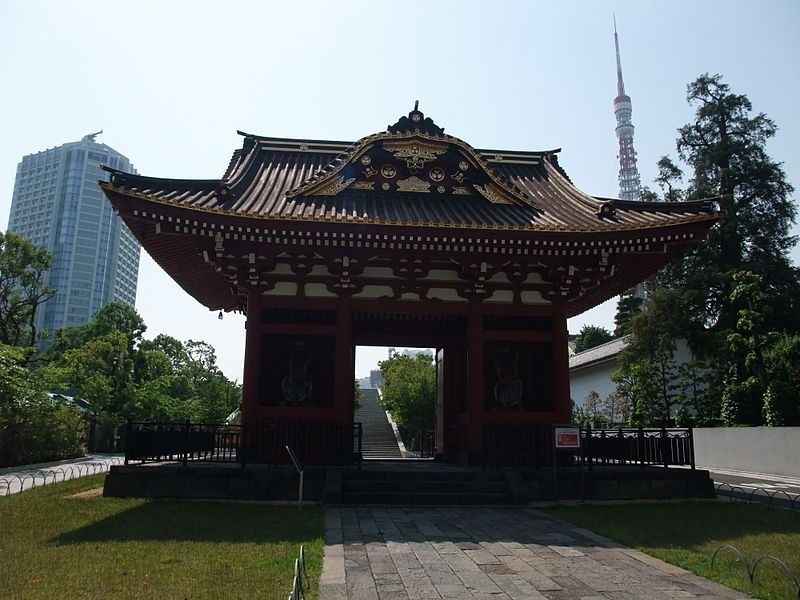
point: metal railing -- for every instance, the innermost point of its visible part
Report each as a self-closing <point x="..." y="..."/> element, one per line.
<point x="182" y="441"/>
<point x="423" y="444"/>
<point x="300" y="580"/>
<point x="315" y="443"/>
<point x="738" y="493"/>
<point x="20" y="482"/>
<point x="640" y="446"/>
<point x="530" y="445"/>
<point x="751" y="568"/>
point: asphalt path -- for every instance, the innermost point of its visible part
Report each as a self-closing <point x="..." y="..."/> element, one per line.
<point x="14" y="480"/>
<point x="763" y="487"/>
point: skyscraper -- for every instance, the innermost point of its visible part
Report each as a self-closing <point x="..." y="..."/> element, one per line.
<point x="58" y="204"/>
<point x="629" y="180"/>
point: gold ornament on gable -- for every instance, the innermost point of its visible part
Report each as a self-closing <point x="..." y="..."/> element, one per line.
<point x="413" y="184"/>
<point x="335" y="186"/>
<point x="493" y="194"/>
<point x="415" y="153"/>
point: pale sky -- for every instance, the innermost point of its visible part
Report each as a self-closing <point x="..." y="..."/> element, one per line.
<point x="171" y="82"/>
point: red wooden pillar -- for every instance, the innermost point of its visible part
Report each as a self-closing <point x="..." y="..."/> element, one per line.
<point x="475" y="383"/>
<point x="251" y="384"/>
<point x="343" y="363"/>
<point x="563" y="402"/>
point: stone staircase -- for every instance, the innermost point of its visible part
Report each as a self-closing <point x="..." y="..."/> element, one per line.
<point x="378" y="441"/>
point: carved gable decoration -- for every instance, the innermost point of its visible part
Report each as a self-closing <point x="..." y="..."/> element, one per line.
<point x="415" y="157"/>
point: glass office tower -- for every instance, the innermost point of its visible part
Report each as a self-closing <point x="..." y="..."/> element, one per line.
<point x="58" y="204"/>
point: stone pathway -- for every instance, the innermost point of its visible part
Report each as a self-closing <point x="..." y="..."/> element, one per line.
<point x="489" y="553"/>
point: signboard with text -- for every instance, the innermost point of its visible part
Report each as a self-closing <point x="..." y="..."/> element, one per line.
<point x="567" y="438"/>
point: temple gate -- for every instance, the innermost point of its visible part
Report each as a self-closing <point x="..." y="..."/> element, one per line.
<point x="411" y="235"/>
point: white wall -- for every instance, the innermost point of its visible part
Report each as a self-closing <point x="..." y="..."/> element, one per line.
<point x="594" y="378"/>
<point x="773" y="450"/>
<point x="598" y="377"/>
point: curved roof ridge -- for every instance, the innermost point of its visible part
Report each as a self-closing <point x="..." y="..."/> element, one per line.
<point x="687" y="206"/>
<point x="117" y="174"/>
<point x="347" y="144"/>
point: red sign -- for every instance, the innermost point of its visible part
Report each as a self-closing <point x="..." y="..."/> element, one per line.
<point x="567" y="437"/>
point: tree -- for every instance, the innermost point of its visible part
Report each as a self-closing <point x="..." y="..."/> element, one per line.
<point x="615" y="408"/>
<point x="724" y="150"/>
<point x="725" y="147"/>
<point x="650" y="354"/>
<point x="592" y="412"/>
<point x="636" y="387"/>
<point x="749" y="380"/>
<point x="695" y="401"/>
<point x="120" y="318"/>
<point x="409" y="391"/>
<point x="170" y="346"/>
<point x="33" y="426"/>
<point x="628" y="306"/>
<point x="22" y="288"/>
<point x="782" y="400"/>
<point x="590" y="336"/>
<point x="100" y="372"/>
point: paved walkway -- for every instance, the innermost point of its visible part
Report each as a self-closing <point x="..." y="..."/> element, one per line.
<point x="24" y="477"/>
<point x="489" y="553"/>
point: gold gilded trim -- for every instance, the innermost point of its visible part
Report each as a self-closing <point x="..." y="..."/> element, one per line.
<point x="413" y="184"/>
<point x="415" y="153"/>
<point x="493" y="194"/>
<point x="363" y="185"/>
<point x="404" y="141"/>
<point x="334" y="187"/>
<point x="108" y="187"/>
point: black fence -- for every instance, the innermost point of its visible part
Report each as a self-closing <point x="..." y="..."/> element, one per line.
<point x="531" y="445"/>
<point x="516" y="445"/>
<point x="640" y="446"/>
<point x="422" y="444"/>
<point x="315" y="443"/>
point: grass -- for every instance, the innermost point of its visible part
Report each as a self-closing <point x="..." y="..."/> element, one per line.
<point x="687" y="534"/>
<point x="55" y="546"/>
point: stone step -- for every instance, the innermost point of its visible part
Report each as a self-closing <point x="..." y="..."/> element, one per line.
<point x="417" y="487"/>
<point x="418" y="475"/>
<point x="424" y="499"/>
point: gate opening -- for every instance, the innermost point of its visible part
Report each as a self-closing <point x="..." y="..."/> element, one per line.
<point x="397" y="400"/>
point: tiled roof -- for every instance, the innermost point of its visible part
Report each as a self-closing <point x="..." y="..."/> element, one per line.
<point x="313" y="180"/>
<point x="598" y="354"/>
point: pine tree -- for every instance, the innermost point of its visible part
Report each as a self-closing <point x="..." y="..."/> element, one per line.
<point x="590" y="336"/>
<point x="725" y="157"/>
<point x="628" y="306"/>
<point x="725" y="147"/>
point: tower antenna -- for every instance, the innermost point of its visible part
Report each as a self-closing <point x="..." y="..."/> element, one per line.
<point x="630" y="186"/>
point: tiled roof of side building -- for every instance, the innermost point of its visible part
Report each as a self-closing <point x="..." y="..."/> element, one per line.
<point x="598" y="354"/>
<point x="329" y="181"/>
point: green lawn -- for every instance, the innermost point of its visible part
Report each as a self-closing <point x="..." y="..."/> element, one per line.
<point x="53" y="546"/>
<point x="687" y="534"/>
